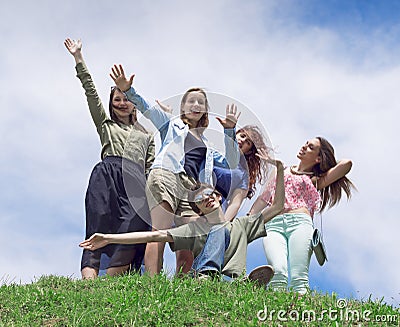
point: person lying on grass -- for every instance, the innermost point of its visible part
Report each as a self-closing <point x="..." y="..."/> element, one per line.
<point x="219" y="246"/>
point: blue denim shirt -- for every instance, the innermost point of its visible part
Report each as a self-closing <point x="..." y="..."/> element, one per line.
<point x="171" y="155"/>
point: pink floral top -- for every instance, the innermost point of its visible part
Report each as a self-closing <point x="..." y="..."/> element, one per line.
<point x="299" y="192"/>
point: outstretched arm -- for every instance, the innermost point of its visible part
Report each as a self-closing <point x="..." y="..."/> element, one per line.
<point x="157" y="116"/>
<point x="231" y="117"/>
<point x="118" y="76"/>
<point x="232" y="153"/>
<point x="235" y="203"/>
<point x="95" y="105"/>
<point x="279" y="198"/>
<point x="74" y="48"/>
<point x="164" y="107"/>
<point x="257" y="206"/>
<point x="98" y="240"/>
<point x="335" y="173"/>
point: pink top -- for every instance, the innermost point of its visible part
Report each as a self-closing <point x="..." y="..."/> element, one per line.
<point x="299" y="193"/>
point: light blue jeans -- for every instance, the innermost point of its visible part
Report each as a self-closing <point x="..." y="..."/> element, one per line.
<point x="211" y="257"/>
<point x="288" y="244"/>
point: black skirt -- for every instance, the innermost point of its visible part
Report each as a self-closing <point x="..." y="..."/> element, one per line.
<point x="116" y="203"/>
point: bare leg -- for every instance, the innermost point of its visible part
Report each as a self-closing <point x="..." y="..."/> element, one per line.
<point x="184" y="258"/>
<point x="89" y="273"/>
<point x="184" y="261"/>
<point x="115" y="271"/>
<point x="162" y="217"/>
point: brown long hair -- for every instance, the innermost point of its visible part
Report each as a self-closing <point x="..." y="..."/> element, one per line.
<point x="332" y="193"/>
<point x="256" y="167"/>
<point x="132" y="116"/>
<point x="203" y="122"/>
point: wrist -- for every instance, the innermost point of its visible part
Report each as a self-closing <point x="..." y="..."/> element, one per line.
<point x="107" y="239"/>
<point x="231" y="132"/>
<point x="78" y="57"/>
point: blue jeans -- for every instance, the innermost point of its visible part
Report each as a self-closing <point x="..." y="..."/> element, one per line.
<point x="288" y="245"/>
<point x="211" y="257"/>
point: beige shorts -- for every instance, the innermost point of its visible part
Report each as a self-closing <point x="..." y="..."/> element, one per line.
<point x="163" y="185"/>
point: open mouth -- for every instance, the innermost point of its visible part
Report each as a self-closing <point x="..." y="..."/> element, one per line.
<point x="210" y="203"/>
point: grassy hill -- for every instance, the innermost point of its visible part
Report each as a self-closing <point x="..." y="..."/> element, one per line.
<point x="135" y="300"/>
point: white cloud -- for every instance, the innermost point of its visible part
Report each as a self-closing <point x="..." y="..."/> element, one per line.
<point x="299" y="80"/>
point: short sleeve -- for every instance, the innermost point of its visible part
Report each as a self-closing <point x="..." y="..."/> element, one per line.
<point x="183" y="237"/>
<point x="254" y="226"/>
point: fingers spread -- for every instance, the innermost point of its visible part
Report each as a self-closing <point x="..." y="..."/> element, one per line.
<point x="121" y="69"/>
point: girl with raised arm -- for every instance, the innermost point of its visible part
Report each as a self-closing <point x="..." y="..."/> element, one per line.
<point x="127" y="154"/>
<point x="220" y="246"/>
<point x="238" y="184"/>
<point x="183" y="159"/>
<point x="235" y="185"/>
<point x="316" y="182"/>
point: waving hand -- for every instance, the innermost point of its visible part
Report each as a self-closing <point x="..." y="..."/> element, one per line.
<point x="231" y="117"/>
<point x="118" y="76"/>
<point x="74" y="48"/>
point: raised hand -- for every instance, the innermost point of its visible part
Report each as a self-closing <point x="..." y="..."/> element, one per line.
<point x="231" y="117"/>
<point x="96" y="241"/>
<point x="118" y="76"/>
<point x="164" y="107"/>
<point x="74" y="48"/>
<point x="264" y="155"/>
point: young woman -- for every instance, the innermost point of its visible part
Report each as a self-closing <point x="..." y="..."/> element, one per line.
<point x="183" y="159"/>
<point x="127" y="154"/>
<point x="220" y="246"/>
<point x="237" y="184"/>
<point x="315" y="183"/>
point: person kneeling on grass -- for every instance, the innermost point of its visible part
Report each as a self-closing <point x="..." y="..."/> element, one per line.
<point x="219" y="246"/>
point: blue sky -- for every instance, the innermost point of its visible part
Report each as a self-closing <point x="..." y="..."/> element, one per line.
<point x="299" y="68"/>
<point x="366" y="15"/>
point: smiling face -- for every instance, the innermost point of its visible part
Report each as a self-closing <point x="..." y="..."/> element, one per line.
<point x="207" y="200"/>
<point x="121" y="107"/>
<point x="309" y="153"/>
<point x="244" y="142"/>
<point x="194" y="108"/>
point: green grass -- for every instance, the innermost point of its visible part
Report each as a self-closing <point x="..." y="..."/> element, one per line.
<point x="135" y="300"/>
